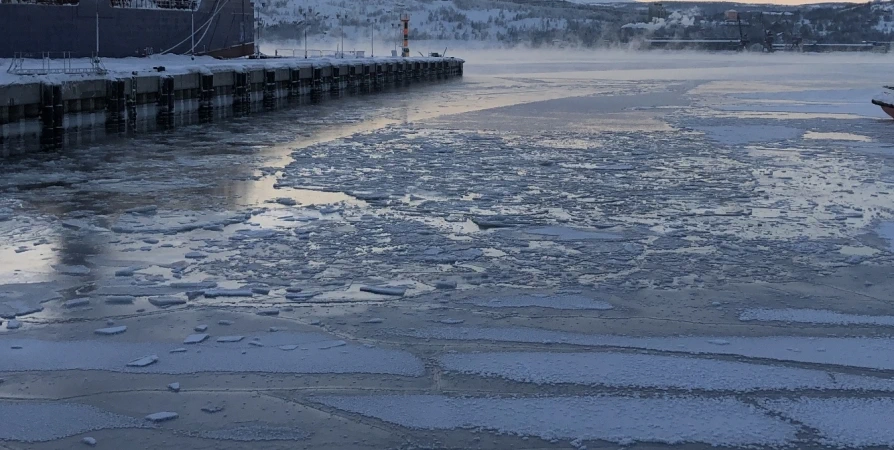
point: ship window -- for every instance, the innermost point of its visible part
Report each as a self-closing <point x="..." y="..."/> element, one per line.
<point x="156" y="4"/>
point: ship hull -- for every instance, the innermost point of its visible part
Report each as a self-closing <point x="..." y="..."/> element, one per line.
<point x="123" y="32"/>
<point x="885" y="100"/>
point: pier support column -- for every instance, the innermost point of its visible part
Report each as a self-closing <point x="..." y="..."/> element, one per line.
<point x="270" y="89"/>
<point x="52" y="114"/>
<point x="206" y="98"/>
<point x="116" y="101"/>
<point x="165" y="117"/>
<point x="241" y="94"/>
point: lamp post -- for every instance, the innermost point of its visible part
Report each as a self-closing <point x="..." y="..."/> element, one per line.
<point x="372" y="38"/>
<point x="192" y="28"/>
<point x="305" y="35"/>
<point x="97" y="28"/>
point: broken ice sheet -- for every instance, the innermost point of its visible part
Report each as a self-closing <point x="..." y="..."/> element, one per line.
<point x="195" y="338"/>
<point x="670" y="420"/>
<point x="163" y="416"/>
<point x="111" y="330"/>
<point x="57" y="420"/>
<point x="144" y="361"/>
<point x="874" y="353"/>
<point x="554" y="301"/>
<point x="814" y="316"/>
<point x="653" y="371"/>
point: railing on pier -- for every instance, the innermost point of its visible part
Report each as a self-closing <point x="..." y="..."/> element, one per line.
<point x="315" y="53"/>
<point x="45" y="63"/>
<point x="298" y="53"/>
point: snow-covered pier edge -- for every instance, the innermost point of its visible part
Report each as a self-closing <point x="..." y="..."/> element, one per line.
<point x="52" y="110"/>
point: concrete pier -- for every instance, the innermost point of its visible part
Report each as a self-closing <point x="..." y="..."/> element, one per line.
<point x="49" y="112"/>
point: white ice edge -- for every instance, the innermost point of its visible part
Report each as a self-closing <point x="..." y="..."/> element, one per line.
<point x="670" y="420"/>
<point x="652" y="371"/>
<point x="817" y="316"/>
<point x="873" y="353"/>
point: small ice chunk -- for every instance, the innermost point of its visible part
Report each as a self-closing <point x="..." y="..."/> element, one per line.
<point x="201" y="328"/>
<point x="331" y="344"/>
<point x="381" y="290"/>
<point x="76" y="303"/>
<point x="374" y="320"/>
<point x="268" y="312"/>
<point x="13" y="324"/>
<point x="225" y="339"/>
<point x="195" y="255"/>
<point x="445" y="285"/>
<point x="451" y="321"/>
<point x="288" y="347"/>
<point x="195" y="338"/>
<point x="144" y="361"/>
<point x="89" y="441"/>
<point x="260" y="290"/>
<point x="212" y="293"/>
<point x="147" y="210"/>
<point x="120" y="299"/>
<point x="286" y="201"/>
<point x="718" y="342"/>
<point x="111" y="330"/>
<point x="174" y="387"/>
<point x="126" y="272"/>
<point x="162" y="416"/>
<point x="166" y="300"/>
<point x="211" y="409"/>
<point x="224" y="322"/>
<point x="179" y="350"/>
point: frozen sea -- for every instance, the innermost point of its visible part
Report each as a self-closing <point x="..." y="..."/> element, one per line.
<point x="559" y="250"/>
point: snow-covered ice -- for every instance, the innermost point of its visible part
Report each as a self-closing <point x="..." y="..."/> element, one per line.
<point x="111" y="330"/>
<point x="196" y="338"/>
<point x="814" y="316"/>
<point x="873" y="353"/>
<point x="317" y="356"/>
<point x="669" y="420"/>
<point x="653" y="371"/>
<point x="144" y="361"/>
<point x="842" y="422"/>
<point x="56" y="419"/>
<point x="162" y="416"/>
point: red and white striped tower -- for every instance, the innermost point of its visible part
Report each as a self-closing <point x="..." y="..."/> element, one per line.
<point x="405" y="20"/>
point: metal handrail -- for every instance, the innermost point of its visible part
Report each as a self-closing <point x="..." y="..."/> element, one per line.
<point x="53" y="63"/>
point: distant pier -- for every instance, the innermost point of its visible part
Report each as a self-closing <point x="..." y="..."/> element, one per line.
<point x="49" y="111"/>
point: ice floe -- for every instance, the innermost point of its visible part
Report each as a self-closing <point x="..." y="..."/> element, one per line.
<point x="652" y="371"/>
<point x="816" y="316"/>
<point x="56" y="420"/>
<point x="842" y="422"/>
<point x="868" y="352"/>
<point x="669" y="420"/>
<point x="316" y="356"/>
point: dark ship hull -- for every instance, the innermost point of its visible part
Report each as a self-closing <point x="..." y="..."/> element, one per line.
<point x="223" y="28"/>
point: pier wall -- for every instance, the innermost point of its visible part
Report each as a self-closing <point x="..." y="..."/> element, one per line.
<point x="46" y="114"/>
